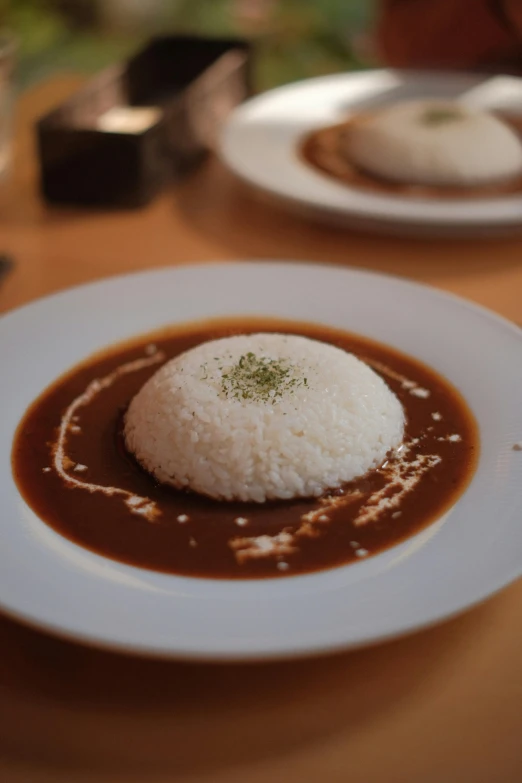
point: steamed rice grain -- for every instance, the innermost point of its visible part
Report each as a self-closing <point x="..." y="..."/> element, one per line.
<point x="438" y="143"/>
<point x="265" y="416"/>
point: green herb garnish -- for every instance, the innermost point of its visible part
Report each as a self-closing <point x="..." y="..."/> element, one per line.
<point x="259" y="378"/>
<point x="440" y="116"/>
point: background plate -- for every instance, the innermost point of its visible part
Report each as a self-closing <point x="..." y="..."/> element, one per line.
<point x="260" y="143"/>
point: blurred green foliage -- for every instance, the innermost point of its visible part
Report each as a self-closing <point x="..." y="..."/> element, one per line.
<point x="294" y="39"/>
<point x="301" y="38"/>
<point x="37" y="24"/>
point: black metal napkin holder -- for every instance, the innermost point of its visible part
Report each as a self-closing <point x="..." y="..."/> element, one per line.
<point x="133" y="127"/>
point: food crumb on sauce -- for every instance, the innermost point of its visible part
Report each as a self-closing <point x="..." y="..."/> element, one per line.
<point x="396" y="514"/>
<point x="323" y="518"/>
<point x="79" y="468"/>
<point x="46" y="470"/>
<point x="241" y="521"/>
<point x="134" y="500"/>
<point x="361" y="552"/>
<point x="418" y="391"/>
<point x="193" y="542"/>
<point x="75" y="429"/>
<point x="282" y="566"/>
<point x="436" y="416"/>
<point x="263" y="546"/>
<point x="183" y="518"/>
<point x="355" y="544"/>
<point x="147" y="510"/>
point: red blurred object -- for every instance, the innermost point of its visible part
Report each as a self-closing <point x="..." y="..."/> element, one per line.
<point x="447" y="34"/>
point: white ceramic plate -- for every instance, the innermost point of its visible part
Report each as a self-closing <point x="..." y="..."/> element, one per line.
<point x="260" y="142"/>
<point x="51" y="582"/>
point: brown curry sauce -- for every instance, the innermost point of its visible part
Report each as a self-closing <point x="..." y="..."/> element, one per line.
<point x="201" y="546"/>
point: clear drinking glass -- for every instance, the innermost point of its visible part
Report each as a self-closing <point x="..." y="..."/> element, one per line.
<point x="7" y="60"/>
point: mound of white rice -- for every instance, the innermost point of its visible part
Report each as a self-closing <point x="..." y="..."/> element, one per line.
<point x="263" y="416"/>
<point x="435" y="143"/>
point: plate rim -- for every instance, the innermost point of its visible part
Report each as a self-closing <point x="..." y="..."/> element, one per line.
<point x="268" y="262"/>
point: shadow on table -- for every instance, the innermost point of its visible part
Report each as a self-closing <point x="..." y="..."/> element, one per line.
<point x="253" y="226"/>
<point x="69" y="708"/>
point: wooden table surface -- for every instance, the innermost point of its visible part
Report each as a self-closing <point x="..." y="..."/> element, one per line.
<point x="444" y="706"/>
